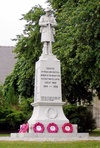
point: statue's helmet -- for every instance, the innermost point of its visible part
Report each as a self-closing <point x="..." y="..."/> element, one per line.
<point x="48" y="9"/>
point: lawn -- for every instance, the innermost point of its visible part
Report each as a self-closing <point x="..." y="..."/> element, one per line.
<point x="95" y="132"/>
<point x="74" y="144"/>
<point x="67" y="144"/>
<point x="4" y="135"/>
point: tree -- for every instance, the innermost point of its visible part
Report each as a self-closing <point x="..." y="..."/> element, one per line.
<point x="28" y="49"/>
<point x="1" y="96"/>
<point x="79" y="51"/>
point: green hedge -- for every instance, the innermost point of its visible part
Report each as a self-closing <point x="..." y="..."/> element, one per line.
<point x="80" y="115"/>
<point x="11" y="117"/>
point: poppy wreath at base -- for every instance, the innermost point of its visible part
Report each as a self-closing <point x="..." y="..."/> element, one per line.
<point x="38" y="127"/>
<point x="52" y="128"/>
<point x="24" y="128"/>
<point x="67" y="128"/>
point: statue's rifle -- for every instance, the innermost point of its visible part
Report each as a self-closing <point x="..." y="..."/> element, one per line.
<point x="50" y="39"/>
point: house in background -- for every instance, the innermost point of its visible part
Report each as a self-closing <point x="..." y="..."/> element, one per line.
<point x="7" y="62"/>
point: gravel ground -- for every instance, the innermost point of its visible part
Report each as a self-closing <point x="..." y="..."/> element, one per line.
<point x="49" y="139"/>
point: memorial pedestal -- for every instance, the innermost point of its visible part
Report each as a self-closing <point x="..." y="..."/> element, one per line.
<point x="48" y="97"/>
<point x="48" y="119"/>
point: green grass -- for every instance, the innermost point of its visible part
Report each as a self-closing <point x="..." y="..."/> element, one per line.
<point x="95" y="132"/>
<point x="4" y="135"/>
<point x="75" y="144"/>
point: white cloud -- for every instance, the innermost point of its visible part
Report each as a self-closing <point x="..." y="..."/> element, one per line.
<point x="10" y="13"/>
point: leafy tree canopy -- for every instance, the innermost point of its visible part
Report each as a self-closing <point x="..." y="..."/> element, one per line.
<point x="78" y="46"/>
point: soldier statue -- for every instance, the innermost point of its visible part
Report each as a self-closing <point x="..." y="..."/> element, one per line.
<point x="47" y="30"/>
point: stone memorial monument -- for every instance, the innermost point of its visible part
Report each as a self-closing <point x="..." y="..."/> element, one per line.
<point x="48" y="119"/>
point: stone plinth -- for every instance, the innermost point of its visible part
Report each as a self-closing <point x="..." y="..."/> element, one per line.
<point x="48" y="119"/>
<point x="48" y="97"/>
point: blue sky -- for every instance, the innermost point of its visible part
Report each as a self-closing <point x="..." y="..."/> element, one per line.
<point x="10" y="13"/>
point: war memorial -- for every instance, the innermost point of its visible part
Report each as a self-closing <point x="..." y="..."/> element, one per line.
<point x="48" y="119"/>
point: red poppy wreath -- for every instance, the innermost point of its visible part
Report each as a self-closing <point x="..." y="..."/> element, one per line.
<point x="38" y="127"/>
<point x="52" y="128"/>
<point x="67" y="128"/>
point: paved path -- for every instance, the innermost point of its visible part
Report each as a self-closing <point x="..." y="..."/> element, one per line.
<point x="49" y="139"/>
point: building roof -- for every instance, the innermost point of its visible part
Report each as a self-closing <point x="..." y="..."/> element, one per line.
<point x="7" y="61"/>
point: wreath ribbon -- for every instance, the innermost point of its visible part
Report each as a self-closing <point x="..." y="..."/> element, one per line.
<point x="24" y="128"/>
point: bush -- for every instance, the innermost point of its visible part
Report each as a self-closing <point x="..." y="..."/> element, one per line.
<point x="82" y="116"/>
<point x="11" y="117"/>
